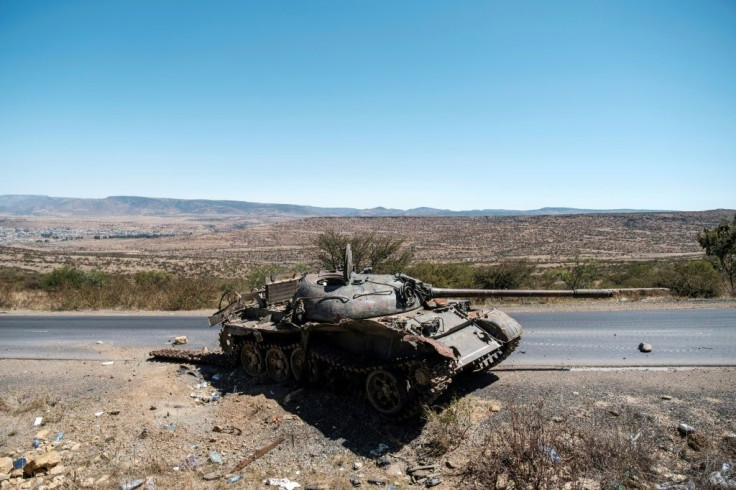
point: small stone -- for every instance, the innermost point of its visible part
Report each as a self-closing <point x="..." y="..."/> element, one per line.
<point x="495" y="407"/>
<point x="355" y="482"/>
<point x="57" y="470"/>
<point x="666" y="397"/>
<point x="215" y="475"/>
<point x="44" y="461"/>
<point x="101" y="481"/>
<point x="557" y="419"/>
<point x="383" y="461"/>
<point x="615" y="413"/>
<point x="6" y="465"/>
<point x="685" y="429"/>
<point x="357" y="465"/>
<point x="153" y="407"/>
<point x="645" y="347"/>
<point x="43" y="435"/>
<point x="450" y="464"/>
<point x="180" y="340"/>
<point x="377" y="481"/>
<point x="16" y="473"/>
<point x="432" y="482"/>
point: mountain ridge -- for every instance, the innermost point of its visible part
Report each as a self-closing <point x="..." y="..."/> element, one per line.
<point x="39" y="205"/>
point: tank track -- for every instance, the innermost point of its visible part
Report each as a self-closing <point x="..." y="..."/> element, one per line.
<point x="192" y="356"/>
<point x="496" y="357"/>
<point x="439" y="375"/>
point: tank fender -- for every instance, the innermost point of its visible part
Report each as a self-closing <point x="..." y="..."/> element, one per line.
<point x="439" y="347"/>
<point x="500" y="325"/>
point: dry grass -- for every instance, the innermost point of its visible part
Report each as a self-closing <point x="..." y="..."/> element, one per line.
<point x="445" y="430"/>
<point x="531" y="450"/>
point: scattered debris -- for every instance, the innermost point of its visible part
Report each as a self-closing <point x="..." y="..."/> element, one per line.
<point x="99" y="342"/>
<point x="170" y="427"/>
<point x="59" y="437"/>
<point x="227" y="429"/>
<point x="495" y="407"/>
<point x="685" y="429"/>
<point x="645" y="347"/>
<point x="215" y="457"/>
<point x="283" y="483"/>
<point x="108" y="363"/>
<point x="294" y="396"/>
<point x="189" y="463"/>
<point x="130" y="485"/>
<point x="357" y="465"/>
<point x="37" y="421"/>
<point x="216" y="377"/>
<point x="233" y="479"/>
<point x="19" y="463"/>
<point x="432" y="482"/>
<point x="180" y="340"/>
<point x="377" y="481"/>
<point x="551" y="453"/>
<point x="382" y="448"/>
<point x="97" y="414"/>
<point x="215" y="475"/>
<point x="383" y="461"/>
<point x="36" y="443"/>
<point x="257" y="454"/>
<point x="355" y="482"/>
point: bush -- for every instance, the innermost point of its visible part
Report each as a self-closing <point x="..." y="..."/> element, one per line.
<point x="443" y="275"/>
<point x="509" y="274"/>
<point x="71" y="277"/>
<point x="153" y="278"/>
<point x="581" y="274"/>
<point x="696" y="279"/>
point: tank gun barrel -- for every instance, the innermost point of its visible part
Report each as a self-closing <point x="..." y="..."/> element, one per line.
<point x="537" y="293"/>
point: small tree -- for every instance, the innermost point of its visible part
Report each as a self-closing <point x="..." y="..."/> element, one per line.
<point x="581" y="274"/>
<point x="720" y="243"/>
<point x="382" y="253"/>
<point x="509" y="274"/>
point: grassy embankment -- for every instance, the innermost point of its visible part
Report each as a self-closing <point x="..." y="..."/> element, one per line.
<point x="71" y="288"/>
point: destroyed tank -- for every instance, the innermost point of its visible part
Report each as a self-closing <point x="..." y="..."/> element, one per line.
<point x="396" y="338"/>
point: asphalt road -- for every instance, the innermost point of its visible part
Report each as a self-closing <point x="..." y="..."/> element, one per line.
<point x="699" y="337"/>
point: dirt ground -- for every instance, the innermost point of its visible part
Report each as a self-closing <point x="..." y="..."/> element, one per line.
<point x="142" y="419"/>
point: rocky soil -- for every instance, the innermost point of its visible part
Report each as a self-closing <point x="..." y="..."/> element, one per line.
<point x="167" y="425"/>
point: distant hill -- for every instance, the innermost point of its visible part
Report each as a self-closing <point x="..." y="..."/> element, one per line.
<point x="25" y="205"/>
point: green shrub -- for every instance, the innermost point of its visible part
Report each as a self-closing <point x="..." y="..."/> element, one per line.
<point x="151" y="278"/>
<point x="580" y="274"/>
<point x="651" y="274"/>
<point x="443" y="275"/>
<point x="509" y="274"/>
<point x="73" y="278"/>
<point x="698" y="279"/>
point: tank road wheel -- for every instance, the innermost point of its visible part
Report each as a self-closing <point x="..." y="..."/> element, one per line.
<point x="251" y="359"/>
<point x="385" y="392"/>
<point x="277" y="364"/>
<point x="297" y="363"/>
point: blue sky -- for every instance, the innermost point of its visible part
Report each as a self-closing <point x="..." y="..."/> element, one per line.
<point x="459" y="105"/>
